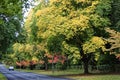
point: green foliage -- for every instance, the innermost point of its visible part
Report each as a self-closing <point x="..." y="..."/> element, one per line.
<point x="10" y="7"/>
<point x="54" y="44"/>
<point x="61" y="66"/>
<point x="10" y="22"/>
<point x="115" y="17"/>
<point x="31" y="28"/>
<point x="107" y="58"/>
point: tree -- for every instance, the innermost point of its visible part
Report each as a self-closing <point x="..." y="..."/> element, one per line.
<point x="26" y="52"/>
<point x="10" y="22"/>
<point x="113" y="40"/>
<point x="115" y="17"/>
<point x="32" y="32"/>
<point x="81" y="23"/>
<point x="114" y="30"/>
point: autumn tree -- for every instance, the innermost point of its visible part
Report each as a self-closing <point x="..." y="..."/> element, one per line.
<point x="32" y="32"/>
<point x="114" y="30"/>
<point x="79" y="25"/>
<point x="113" y="41"/>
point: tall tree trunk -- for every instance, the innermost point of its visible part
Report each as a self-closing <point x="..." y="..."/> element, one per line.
<point x="85" y="65"/>
<point x="85" y="59"/>
<point x="46" y="66"/>
<point x="46" y="62"/>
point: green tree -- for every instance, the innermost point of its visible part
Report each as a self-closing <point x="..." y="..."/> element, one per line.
<point x="10" y="22"/>
<point x="115" y="17"/>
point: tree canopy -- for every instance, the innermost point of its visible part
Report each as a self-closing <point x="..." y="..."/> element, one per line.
<point x="73" y="26"/>
<point x="11" y="12"/>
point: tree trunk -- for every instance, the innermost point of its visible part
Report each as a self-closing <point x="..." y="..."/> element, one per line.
<point x="85" y="65"/>
<point x="46" y="66"/>
<point x="85" y="59"/>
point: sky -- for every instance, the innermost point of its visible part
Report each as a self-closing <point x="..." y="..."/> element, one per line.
<point x="33" y="4"/>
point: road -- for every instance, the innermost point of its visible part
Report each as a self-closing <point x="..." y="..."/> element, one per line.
<point x="16" y="75"/>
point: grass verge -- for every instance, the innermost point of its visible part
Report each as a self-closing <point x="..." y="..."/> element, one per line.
<point x="55" y="72"/>
<point x="96" y="77"/>
<point x="77" y="74"/>
<point x="2" y="77"/>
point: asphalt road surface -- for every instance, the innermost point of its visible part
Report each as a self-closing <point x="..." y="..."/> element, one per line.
<point x="16" y="75"/>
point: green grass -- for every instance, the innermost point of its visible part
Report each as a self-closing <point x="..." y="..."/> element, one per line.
<point x="56" y="72"/>
<point x="2" y="77"/>
<point x="96" y="77"/>
<point x="77" y="74"/>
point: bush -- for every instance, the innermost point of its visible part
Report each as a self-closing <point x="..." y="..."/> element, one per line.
<point x="61" y="66"/>
<point x="104" y="68"/>
<point x="109" y="60"/>
<point x="40" y="66"/>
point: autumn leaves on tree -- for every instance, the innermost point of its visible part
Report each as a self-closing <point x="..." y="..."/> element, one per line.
<point x="72" y="26"/>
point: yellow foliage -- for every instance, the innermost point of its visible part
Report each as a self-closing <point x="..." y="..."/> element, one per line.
<point x="97" y="56"/>
<point x="98" y="41"/>
<point x="72" y="49"/>
<point x="16" y="46"/>
<point x="34" y="58"/>
<point x="83" y="1"/>
<point x="93" y="44"/>
<point x="83" y="22"/>
<point x="28" y="48"/>
<point x="39" y="12"/>
<point x="21" y="48"/>
<point x="29" y="21"/>
<point x="94" y="3"/>
<point x="42" y="12"/>
<point x="54" y="1"/>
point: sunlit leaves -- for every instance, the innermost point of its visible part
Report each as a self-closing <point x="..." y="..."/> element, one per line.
<point x="42" y="12"/>
<point x="28" y="48"/>
<point x="93" y="44"/>
<point x="71" y="50"/>
<point x="114" y="39"/>
<point x="16" y="46"/>
<point x="26" y="51"/>
<point x="35" y="59"/>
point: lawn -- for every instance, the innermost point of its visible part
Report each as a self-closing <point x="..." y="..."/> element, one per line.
<point x="56" y="72"/>
<point x="2" y="77"/>
<point x="77" y="74"/>
<point x="96" y="77"/>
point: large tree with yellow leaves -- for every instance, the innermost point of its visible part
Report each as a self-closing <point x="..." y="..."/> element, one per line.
<point x="72" y="27"/>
